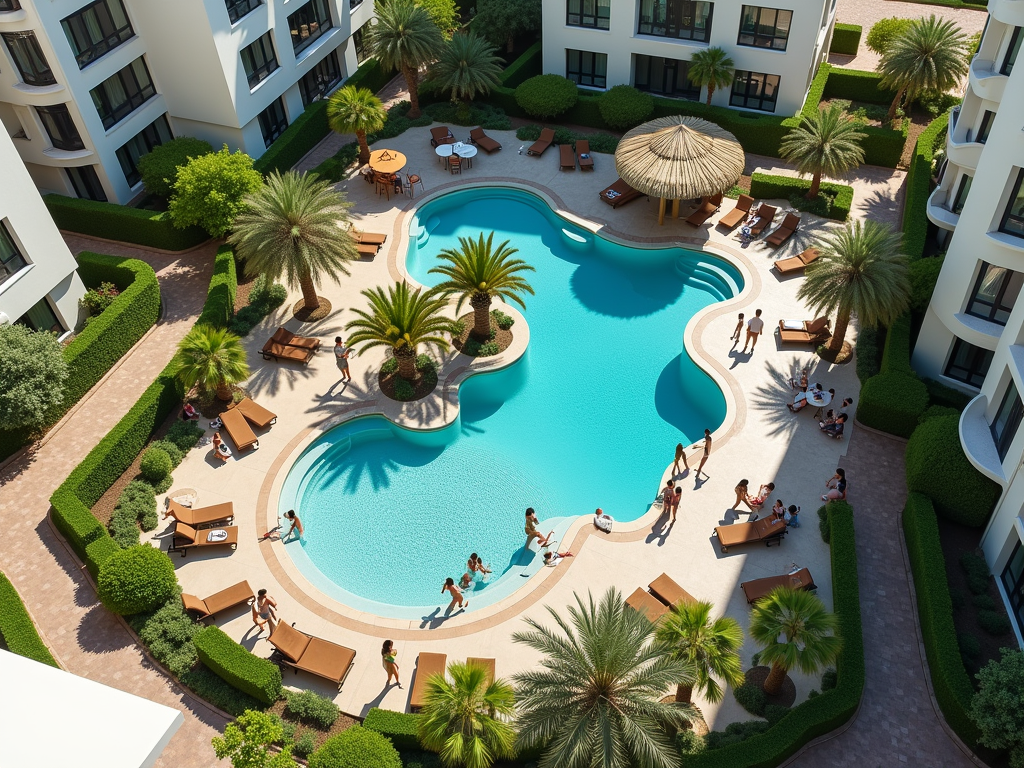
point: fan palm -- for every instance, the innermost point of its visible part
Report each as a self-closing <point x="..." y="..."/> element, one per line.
<point x="596" y="700"/>
<point x="405" y="38"/>
<point x="860" y="270"/>
<point x="211" y="360"/>
<point x="401" y="319"/>
<point x="356" y="110"/>
<point x="469" y="66"/>
<point x="479" y="272"/>
<point x="930" y="56"/>
<point x="826" y="142"/>
<point x="795" y="632"/>
<point x="292" y="229"/>
<point x="467" y="719"/>
<point x="711" y="68"/>
<point x="709" y="647"/>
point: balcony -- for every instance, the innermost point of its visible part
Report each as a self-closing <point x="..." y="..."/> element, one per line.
<point x="959" y="148"/>
<point x="938" y="213"/>
<point x="1009" y="12"/>
<point x="985" y="78"/>
<point x="977" y="442"/>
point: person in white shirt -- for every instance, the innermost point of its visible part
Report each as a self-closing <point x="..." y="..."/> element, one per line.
<point x="755" y="327"/>
<point x="341" y="353"/>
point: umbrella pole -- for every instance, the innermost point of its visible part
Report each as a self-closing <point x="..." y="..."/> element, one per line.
<point x="675" y="208"/>
<point x="661" y="211"/>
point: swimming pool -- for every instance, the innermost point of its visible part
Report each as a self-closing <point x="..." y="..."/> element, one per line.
<point x="587" y="418"/>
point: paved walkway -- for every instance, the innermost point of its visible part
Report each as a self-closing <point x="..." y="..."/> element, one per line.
<point x="87" y="639"/>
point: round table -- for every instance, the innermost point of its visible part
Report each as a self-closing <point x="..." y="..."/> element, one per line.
<point x="387" y="161"/>
<point x="819" y="402"/>
<point x="465" y="151"/>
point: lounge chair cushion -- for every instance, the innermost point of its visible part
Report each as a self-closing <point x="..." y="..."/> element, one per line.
<point x="227" y="598"/>
<point x="238" y="428"/>
<point x="186" y="532"/>
<point x="289" y="339"/>
<point x="427" y="664"/>
<point x="623" y="194"/>
<point x="482" y="140"/>
<point x="193" y="603"/>
<point x="644" y="602"/>
<point x="737" y="214"/>
<point x="326" y="659"/>
<point x="817" y="325"/>
<point x="665" y="589"/>
<point x="546" y="137"/>
<point x="256" y="413"/>
<point x="756" y="589"/>
<point x="566" y="157"/>
<point x="289" y="641"/>
<point x="286" y="352"/>
<point x="583" y="154"/>
<point x="200" y="515"/>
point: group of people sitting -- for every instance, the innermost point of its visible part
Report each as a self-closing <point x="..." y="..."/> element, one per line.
<point x="475" y="571"/>
<point x="833" y="423"/>
<point x="756" y="502"/>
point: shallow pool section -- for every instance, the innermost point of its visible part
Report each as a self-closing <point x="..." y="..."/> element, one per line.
<point x="588" y="418"/>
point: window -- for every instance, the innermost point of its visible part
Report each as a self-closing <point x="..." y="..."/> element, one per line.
<point x="60" y="127"/>
<point x="666" y="77"/>
<point x="754" y="90"/>
<point x="986" y="125"/>
<point x="97" y="28"/>
<point x="273" y="121"/>
<point x="968" y="363"/>
<point x="239" y="8"/>
<point x="29" y="58"/>
<point x="1013" y="583"/>
<point x="318" y="82"/>
<point x="353" y="4"/>
<point x="145" y="141"/>
<point x="1013" y="219"/>
<point x="308" y="23"/>
<point x="11" y="260"/>
<point x="1012" y="51"/>
<point x="86" y="183"/>
<point x="258" y="60"/>
<point x="122" y="93"/>
<point x="961" y="193"/>
<point x="683" y="19"/>
<point x="588" y="13"/>
<point x="360" y="44"/>
<point x="1004" y="425"/>
<point x="41" y="317"/>
<point x="586" y="68"/>
<point x="765" y="27"/>
<point x="9" y="5"/>
<point x="995" y="293"/>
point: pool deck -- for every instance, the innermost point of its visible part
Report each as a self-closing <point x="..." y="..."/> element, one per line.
<point x="760" y="440"/>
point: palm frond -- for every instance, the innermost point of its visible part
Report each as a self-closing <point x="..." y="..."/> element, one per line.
<point x="400" y="318"/>
<point x="403" y="35"/>
<point x="795" y="631"/>
<point x="351" y="109"/>
<point x="827" y="142"/>
<point x="469" y="67"/>
<point x="931" y="55"/>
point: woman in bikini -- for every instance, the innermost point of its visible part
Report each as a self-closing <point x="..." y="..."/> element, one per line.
<point x="707" y="452"/>
<point x="476" y="565"/>
<point x="742" y="495"/>
<point x="388" y="655"/>
<point x="451" y="589"/>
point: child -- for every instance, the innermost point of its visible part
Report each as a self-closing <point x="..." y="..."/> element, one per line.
<point x="779" y="510"/>
<point x="551" y="559"/>
<point x="739" y="327"/>
<point x="792" y="516"/>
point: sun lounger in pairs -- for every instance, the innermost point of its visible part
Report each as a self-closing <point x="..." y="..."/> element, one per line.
<point x="487" y="664"/>
<point x="566" y="158"/>
<point x="275" y="350"/>
<point x="708" y="207"/>
<point x="427" y="665"/>
<point x="239" y="431"/>
<point x="789" y="225"/>
<point x="186" y="537"/>
<point x="804" y="331"/>
<point x="665" y="589"/>
<point x="758" y="589"/>
<point x="319" y="657"/>
<point x="482" y="140"/>
<point x="618" y="194"/>
<point x="768" y="530"/>
<point x="644" y="602"/>
<point x="200" y="516"/>
<point x="227" y="598"/>
<point x="286" y="337"/>
<point x="255" y="413"/>
<point x="441" y="135"/>
<point x="765" y="216"/>
<point x="584" y="155"/>
<point x="547" y="136"/>
<point x="737" y="214"/>
<point x="369" y="238"/>
<point x="797" y="263"/>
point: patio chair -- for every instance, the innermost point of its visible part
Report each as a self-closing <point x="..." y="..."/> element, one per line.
<point x="708" y="207"/>
<point x="200" y="516"/>
<point x="487" y="664"/>
<point x="797" y="263"/>
<point x="441" y="135"/>
<point x="455" y="164"/>
<point x="584" y="155"/>
<point x="765" y="216"/>
<point x="319" y="657"/>
<point x="737" y="214"/>
<point x="427" y="665"/>
<point x="643" y="602"/>
<point x="239" y="430"/>
<point x="618" y="194"/>
<point x="186" y="537"/>
<point x="367" y="251"/>
<point x="547" y="136"/>
<point x="812" y="332"/>
<point x="665" y="589"/>
<point x="758" y="589"/>
<point x="566" y="158"/>
<point x="768" y="530"/>
<point x="411" y="180"/>
<point x="255" y="413"/>
<point x="274" y="350"/>
<point x="369" y="238"/>
<point x="227" y="598"/>
<point x="789" y="225"/>
<point x="289" y="339"/>
<point x="482" y="140"/>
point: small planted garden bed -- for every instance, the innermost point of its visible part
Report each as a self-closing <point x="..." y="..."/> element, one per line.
<point x="469" y="344"/>
<point x="309" y="721"/>
<point x="397" y="388"/>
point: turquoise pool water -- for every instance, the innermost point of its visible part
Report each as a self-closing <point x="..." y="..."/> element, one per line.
<point x="588" y="418"/>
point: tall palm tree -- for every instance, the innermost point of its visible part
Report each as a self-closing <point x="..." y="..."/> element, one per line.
<point x="860" y="270"/>
<point x="468" y="719"/>
<point x="795" y="632"/>
<point x="930" y="56"/>
<point x="292" y="229"/>
<point x="711" y="648"/>
<point x="356" y="110"/>
<point x="479" y="272"/>
<point x="401" y="319"/>
<point x="211" y="360"/>
<point x="405" y="38"/>
<point x="596" y="699"/>
<point x="469" y="66"/>
<point x="826" y="142"/>
<point x="711" y="68"/>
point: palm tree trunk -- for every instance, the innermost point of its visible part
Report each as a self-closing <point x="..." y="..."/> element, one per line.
<point x="711" y="91"/>
<point x="773" y="684"/>
<point x="412" y="81"/>
<point x="406" y="357"/>
<point x="839" y="334"/>
<point x="895" y="104"/>
<point x="815" y="186"/>
<point x="364" y="148"/>
<point x="309" y="298"/>
<point x="481" y="315"/>
<point x="224" y="391"/>
<point x="684" y="693"/>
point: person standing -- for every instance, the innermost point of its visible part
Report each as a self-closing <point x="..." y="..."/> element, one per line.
<point x="742" y="495"/>
<point x="341" y="353"/>
<point x="451" y="589"/>
<point x="739" y="327"/>
<point x="532" y="532"/>
<point x="680" y="456"/>
<point x="755" y="327"/>
<point x="388" y="655"/>
<point x="264" y="611"/>
<point x="707" y="452"/>
<point x="677" y="497"/>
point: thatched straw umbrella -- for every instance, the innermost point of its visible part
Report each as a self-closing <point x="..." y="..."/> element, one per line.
<point x="679" y="157"/>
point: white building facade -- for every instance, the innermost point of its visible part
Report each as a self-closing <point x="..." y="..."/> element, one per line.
<point x="972" y="336"/>
<point x="89" y="86"/>
<point x="648" y="44"/>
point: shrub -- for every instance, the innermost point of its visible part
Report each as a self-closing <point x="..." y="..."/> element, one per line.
<point x="937" y="103"/>
<point x="846" y="39"/>
<point x="311" y="707"/>
<point x="883" y="32"/>
<point x="98" y="551"/>
<point x="334" y="168"/>
<point x="940" y="394"/>
<point x="98" y="299"/>
<point x="167" y="632"/>
<point x="994" y="623"/>
<point x="263" y="299"/>
<point x="304" y="745"/>
<point x="918" y="186"/>
<point x="171" y="449"/>
<point x="775" y="712"/>
<point x="136" y="579"/>
<point x="976" y="570"/>
<point x="247" y="742"/>
<point x="923" y="275"/>
<point x="868" y="363"/>
<point x="970" y="646"/>
<point x="155" y="464"/>
<point x="823" y="525"/>
<point x="545" y="96"/>
<point x="689" y="743"/>
<point x="16" y="628"/>
<point x="936" y="412"/>
<point x="893" y="403"/>
<point x="357" y="747"/>
<point x="33" y="374"/>
<point x="259" y="678"/>
<point x="400" y="727"/>
<point x="404" y="390"/>
<point x="184" y="434"/>
<point x="304" y="133"/>
<point x="857" y="85"/>
<point x="829" y="678"/>
<point x="118" y="222"/>
<point x="734" y="733"/>
<point x="502" y="320"/>
<point x="983" y="602"/>
<point x="752" y="698"/>
<point x="476" y="348"/>
<point x="835" y="200"/>
<point x="624" y="107"/>
<point x="996" y="708"/>
<point x="220" y="296"/>
<point x="159" y="167"/>
<point x="210" y="189"/>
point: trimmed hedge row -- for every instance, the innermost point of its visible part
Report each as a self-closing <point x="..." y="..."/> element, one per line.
<point x="846" y="39"/>
<point x="305" y="132"/>
<point x="950" y="680"/>
<point x="919" y="177"/>
<point x="896" y="354"/>
<point x="892" y="402"/>
<point x="260" y="678"/>
<point x="220" y="297"/>
<point x="16" y="627"/>
<point x="400" y="727"/>
<point x="526" y="66"/>
<point x="121" y="222"/>
<point x="856" y="85"/>
<point x="766" y="187"/>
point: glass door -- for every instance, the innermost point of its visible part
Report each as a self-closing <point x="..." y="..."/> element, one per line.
<point x="1013" y="583"/>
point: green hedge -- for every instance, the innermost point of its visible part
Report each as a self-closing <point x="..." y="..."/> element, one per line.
<point x="400" y="727"/>
<point x="846" y="39"/>
<point x="950" y="680"/>
<point x="305" y="132"/>
<point x="896" y="354"/>
<point x="523" y="68"/>
<point x="16" y="627"/>
<point x="766" y="187"/>
<point x="260" y="678"/>
<point x="220" y="297"/>
<point x="856" y="85"/>
<point x="919" y="187"/>
<point x="892" y="402"/>
<point x="371" y="75"/>
<point x="122" y="223"/>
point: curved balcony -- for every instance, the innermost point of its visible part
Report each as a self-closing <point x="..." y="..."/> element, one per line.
<point x="67" y="157"/>
<point x="985" y="79"/>
<point x="962" y="152"/>
<point x="977" y="442"/>
<point x="13" y="17"/>
<point x="937" y="212"/>
<point x="1009" y="12"/>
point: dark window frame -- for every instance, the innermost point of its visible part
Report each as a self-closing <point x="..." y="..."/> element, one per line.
<point x="681" y="67"/>
<point x="1008" y="214"/>
<point x="23" y="47"/>
<point x="582" y="75"/>
<point x="56" y="328"/>
<point x="88" y="186"/>
<point x="353" y="4"/>
<point x="745" y="95"/>
<point x="973" y="371"/>
<point x="997" y="305"/>
<point x="963" y="189"/>
<point x="1013" y="584"/>
<point x="1004" y="436"/>
<point x="1012" y="51"/>
<point x="271" y="125"/>
<point x="756" y="36"/>
<point x="9" y="5"/>
<point x="591" y="20"/>
<point x="137" y="94"/>
<point x="270" y="64"/>
<point x="321" y="79"/>
<point x="986" y="126"/>
<point x="359" y="44"/>
<point x="14" y="257"/>
<point x="150" y="136"/>
<point x="316" y="21"/>
<point x="87" y="50"/>
<point x="59" y="113"/>
<point x="239" y="9"/>
<point x="673" y="28"/>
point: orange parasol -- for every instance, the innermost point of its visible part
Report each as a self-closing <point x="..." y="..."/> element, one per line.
<point x="387" y="161"/>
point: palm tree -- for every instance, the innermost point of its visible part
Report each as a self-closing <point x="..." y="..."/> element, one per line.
<point x="401" y="319"/>
<point x="479" y="272"/>
<point x="711" y="67"/>
<point x="930" y="56"/>
<point x="356" y="110"/>
<point x="860" y="270"/>
<point x="826" y="142"/>
<point x="795" y="632"/>
<point x="467" y="720"/>
<point x="211" y="360"/>
<point x="596" y="700"/>
<point x="711" y="648"/>
<point x="292" y="228"/>
<point x="405" y="38"/>
<point x="468" y="67"/>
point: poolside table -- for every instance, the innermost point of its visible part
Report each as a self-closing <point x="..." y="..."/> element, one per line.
<point x="466" y="151"/>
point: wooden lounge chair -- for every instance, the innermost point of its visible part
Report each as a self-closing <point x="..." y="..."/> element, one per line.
<point x="255" y="413"/>
<point x="765" y="216"/>
<point x="427" y="665"/>
<point x="813" y="332"/>
<point x="547" y="136"/>
<point x="566" y="158"/>
<point x="621" y="193"/>
<point x="239" y="430"/>
<point x="487" y="664"/>
<point x="186" y="537"/>
<point x="796" y="263"/>
<point x="227" y="598"/>
<point x="644" y="602"/>
<point x="758" y="589"/>
<point x="708" y="207"/>
<point x="319" y="657"/>
<point x="737" y="214"/>
<point x="482" y="140"/>
<point x="441" y="135"/>
<point x="767" y="530"/>
<point x="369" y="238"/>
<point x="289" y="339"/>
<point x="273" y="350"/>
<point x="670" y="593"/>
<point x="789" y="225"/>
<point x="197" y="518"/>
<point x="584" y="155"/>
